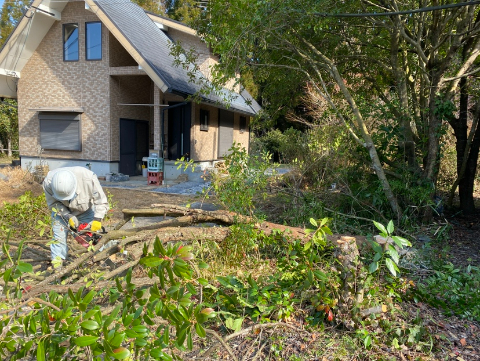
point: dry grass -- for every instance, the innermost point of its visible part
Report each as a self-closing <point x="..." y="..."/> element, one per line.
<point x="18" y="181"/>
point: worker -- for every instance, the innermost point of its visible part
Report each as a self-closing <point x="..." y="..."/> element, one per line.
<point x="74" y="196"/>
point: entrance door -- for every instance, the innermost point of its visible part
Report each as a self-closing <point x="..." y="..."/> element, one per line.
<point x="225" y="132"/>
<point x="179" y="124"/>
<point x="133" y="145"/>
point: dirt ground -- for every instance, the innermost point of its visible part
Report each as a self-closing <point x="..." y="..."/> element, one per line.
<point x="131" y="198"/>
<point x="18" y="182"/>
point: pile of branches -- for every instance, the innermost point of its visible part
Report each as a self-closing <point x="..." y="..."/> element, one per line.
<point x="122" y="249"/>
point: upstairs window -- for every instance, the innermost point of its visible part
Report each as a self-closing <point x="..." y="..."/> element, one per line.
<point x="93" y="41"/>
<point x="70" y="42"/>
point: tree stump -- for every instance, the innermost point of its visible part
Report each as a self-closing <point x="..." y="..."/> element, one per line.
<point x="352" y="275"/>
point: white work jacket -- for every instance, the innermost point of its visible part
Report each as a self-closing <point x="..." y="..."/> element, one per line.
<point x="89" y="193"/>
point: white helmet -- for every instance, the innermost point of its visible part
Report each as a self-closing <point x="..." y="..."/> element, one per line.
<point x="64" y="185"/>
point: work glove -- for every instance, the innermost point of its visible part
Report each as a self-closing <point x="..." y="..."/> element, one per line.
<point x="94" y="225"/>
<point x="72" y="221"/>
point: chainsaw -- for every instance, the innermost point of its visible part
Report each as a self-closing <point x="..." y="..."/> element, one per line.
<point x="86" y="237"/>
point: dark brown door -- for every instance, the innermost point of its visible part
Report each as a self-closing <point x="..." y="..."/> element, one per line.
<point x="225" y="132"/>
<point x="133" y="145"/>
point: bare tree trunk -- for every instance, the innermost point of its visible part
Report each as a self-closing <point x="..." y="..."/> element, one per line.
<point x="9" y="146"/>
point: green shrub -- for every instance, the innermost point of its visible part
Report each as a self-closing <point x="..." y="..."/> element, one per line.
<point x="29" y="217"/>
<point x="454" y="290"/>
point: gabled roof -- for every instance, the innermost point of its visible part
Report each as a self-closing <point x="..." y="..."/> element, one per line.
<point x="150" y="47"/>
<point x="137" y="33"/>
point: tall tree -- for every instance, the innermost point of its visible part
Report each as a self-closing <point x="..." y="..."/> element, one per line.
<point x="186" y="11"/>
<point x="12" y="11"/>
<point x="153" y="6"/>
<point x="410" y="60"/>
<point x="9" y="125"/>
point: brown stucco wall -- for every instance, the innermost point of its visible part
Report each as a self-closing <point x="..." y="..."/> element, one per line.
<point x="128" y="89"/>
<point x="204" y="144"/>
<point x="48" y="81"/>
<point x="239" y="137"/>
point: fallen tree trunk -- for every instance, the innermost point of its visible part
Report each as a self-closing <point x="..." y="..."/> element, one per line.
<point x="196" y="216"/>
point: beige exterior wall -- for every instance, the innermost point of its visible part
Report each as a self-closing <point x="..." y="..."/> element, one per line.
<point x="243" y="138"/>
<point x="48" y="81"/>
<point x="204" y="144"/>
<point x="205" y="59"/>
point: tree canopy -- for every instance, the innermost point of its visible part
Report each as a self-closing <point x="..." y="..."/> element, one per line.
<point x="401" y="72"/>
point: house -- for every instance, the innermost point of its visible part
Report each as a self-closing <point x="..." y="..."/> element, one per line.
<point x="96" y="84"/>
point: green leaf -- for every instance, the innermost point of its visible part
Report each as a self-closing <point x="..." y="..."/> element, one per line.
<point x="235" y="325"/>
<point x="200" y="330"/>
<point x="89" y="297"/>
<point x="158" y="354"/>
<point x="151" y="261"/>
<point x="158" y="247"/>
<point x="392" y="267"/>
<point x="140" y="342"/>
<point x="373" y="267"/>
<point x="381" y="228"/>
<point x="320" y="275"/>
<point x="90" y="325"/>
<point x="202" y="265"/>
<point x="121" y="353"/>
<point x="367" y="341"/>
<point x="41" y="351"/>
<point x="24" y="267"/>
<point x="401" y="242"/>
<point x="85" y="340"/>
<point x="390" y="227"/>
<point x="140" y="329"/>
<point x="90" y="313"/>
<point x="117" y="339"/>
<point x="172" y="290"/>
<point x="313" y="222"/>
<point x="393" y="254"/>
<point x="131" y="334"/>
<point x="72" y="296"/>
<point x="6" y="275"/>
<point x="376" y="247"/>
<point x="189" y="341"/>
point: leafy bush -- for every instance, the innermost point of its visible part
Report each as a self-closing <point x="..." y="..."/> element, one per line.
<point x="243" y="178"/>
<point x="28" y="217"/>
<point x="455" y="290"/>
<point x="75" y="326"/>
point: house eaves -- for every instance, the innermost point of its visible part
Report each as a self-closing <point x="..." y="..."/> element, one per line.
<point x="24" y="40"/>
<point x="170" y="23"/>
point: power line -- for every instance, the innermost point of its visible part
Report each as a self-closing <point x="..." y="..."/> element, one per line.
<point x="404" y="12"/>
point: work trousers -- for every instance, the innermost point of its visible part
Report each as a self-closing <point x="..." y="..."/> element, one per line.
<point x="61" y="229"/>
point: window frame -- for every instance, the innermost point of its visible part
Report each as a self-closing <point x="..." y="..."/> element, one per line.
<point x="64" y="42"/>
<point x="86" y="41"/>
<point x="242" y="121"/>
<point x="71" y="127"/>
<point x="204" y="120"/>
